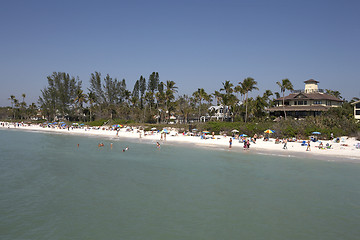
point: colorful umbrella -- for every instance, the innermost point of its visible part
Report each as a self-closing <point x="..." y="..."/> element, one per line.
<point x="243" y="135"/>
<point x="316" y="132"/>
<point x="269" y="131"/>
<point x="206" y="132"/>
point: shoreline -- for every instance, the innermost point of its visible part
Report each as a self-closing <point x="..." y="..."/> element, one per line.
<point x="345" y="151"/>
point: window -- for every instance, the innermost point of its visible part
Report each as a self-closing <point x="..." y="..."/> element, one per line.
<point x="328" y="103"/>
<point x="357" y="105"/>
<point x="357" y="112"/>
<point x="317" y="102"/>
<point x="300" y="103"/>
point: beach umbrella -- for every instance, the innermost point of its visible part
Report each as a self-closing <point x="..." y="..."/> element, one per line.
<point x="235" y="131"/>
<point x="269" y="131"/>
<point x="165" y="130"/>
<point x="63" y="124"/>
<point x="194" y="130"/>
<point x="82" y="124"/>
<point x="206" y="132"/>
<point x="316" y="132"/>
<point x="153" y="129"/>
<point x="243" y="135"/>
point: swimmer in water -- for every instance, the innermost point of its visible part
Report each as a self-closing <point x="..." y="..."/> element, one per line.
<point x="157" y="144"/>
<point x="125" y="149"/>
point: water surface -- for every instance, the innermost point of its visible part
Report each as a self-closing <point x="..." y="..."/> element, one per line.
<point x="51" y="189"/>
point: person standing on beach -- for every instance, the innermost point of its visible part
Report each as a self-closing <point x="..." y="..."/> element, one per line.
<point x="230" y="142"/>
<point x="308" y="146"/>
<point x="248" y="144"/>
<point x="285" y="144"/>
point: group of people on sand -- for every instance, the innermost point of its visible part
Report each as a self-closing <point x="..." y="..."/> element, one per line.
<point x="246" y="143"/>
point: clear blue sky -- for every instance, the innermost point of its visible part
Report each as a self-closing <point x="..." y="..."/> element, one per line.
<point x="197" y="44"/>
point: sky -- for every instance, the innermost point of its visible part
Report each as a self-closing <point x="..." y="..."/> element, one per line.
<point x="197" y="43"/>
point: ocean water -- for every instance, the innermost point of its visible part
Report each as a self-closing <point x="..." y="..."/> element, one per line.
<point x="51" y="189"/>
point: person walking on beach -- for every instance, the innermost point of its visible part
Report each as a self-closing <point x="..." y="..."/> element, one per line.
<point x="230" y="142"/>
<point x="308" y="146"/>
<point x="285" y="144"/>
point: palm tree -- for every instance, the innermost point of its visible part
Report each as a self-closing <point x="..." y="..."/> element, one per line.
<point x="32" y="110"/>
<point x="91" y="97"/>
<point x="228" y="99"/>
<point x="200" y="95"/>
<point x="169" y="94"/>
<point x="218" y="96"/>
<point x="284" y="85"/>
<point x="12" y="99"/>
<point x="184" y="106"/>
<point x="227" y="87"/>
<point x="80" y="99"/>
<point x="248" y="85"/>
<point x="336" y="94"/>
<point x="16" y="103"/>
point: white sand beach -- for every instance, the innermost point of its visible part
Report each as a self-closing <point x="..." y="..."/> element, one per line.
<point x="348" y="148"/>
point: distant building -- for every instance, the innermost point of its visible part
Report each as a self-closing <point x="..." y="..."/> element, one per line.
<point x="356" y="109"/>
<point x="311" y="101"/>
<point x="220" y="112"/>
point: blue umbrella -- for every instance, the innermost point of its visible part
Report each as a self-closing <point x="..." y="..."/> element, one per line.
<point x="82" y="124"/>
<point x="316" y="132"/>
<point x="63" y="124"/>
<point x="243" y="135"/>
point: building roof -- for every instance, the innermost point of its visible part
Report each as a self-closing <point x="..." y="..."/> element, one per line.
<point x="311" y="81"/>
<point x="299" y="108"/>
<point x="310" y="96"/>
<point x="353" y="103"/>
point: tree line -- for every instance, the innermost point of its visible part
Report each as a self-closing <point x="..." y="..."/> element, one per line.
<point x="148" y="101"/>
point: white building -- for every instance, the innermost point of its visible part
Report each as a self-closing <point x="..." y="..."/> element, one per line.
<point x="356" y="109"/>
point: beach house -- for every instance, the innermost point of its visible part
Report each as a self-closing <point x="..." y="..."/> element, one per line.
<point x="311" y="101"/>
<point x="219" y="112"/>
<point x="356" y="109"/>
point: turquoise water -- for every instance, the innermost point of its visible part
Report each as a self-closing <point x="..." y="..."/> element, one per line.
<point x="50" y="189"/>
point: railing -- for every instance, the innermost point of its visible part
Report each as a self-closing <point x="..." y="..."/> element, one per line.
<point x="312" y="91"/>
